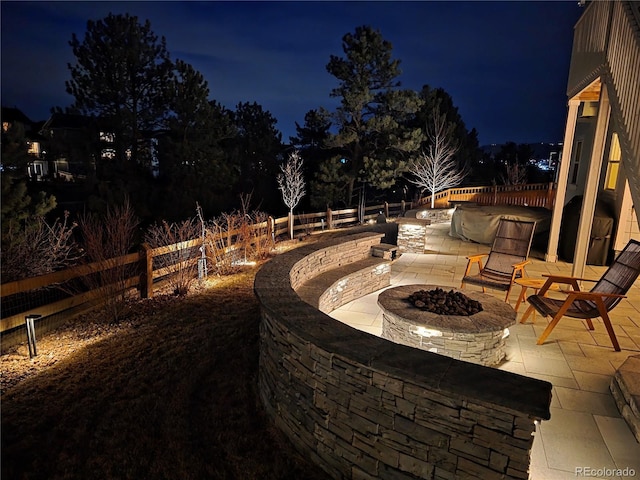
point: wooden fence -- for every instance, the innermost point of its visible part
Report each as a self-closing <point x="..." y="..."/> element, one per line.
<point x="145" y="272"/>
<point x="529" y="195"/>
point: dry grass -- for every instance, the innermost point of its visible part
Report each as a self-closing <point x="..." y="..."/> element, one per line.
<point x="168" y="392"/>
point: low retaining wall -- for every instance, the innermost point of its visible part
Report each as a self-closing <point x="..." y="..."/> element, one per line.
<point x="412" y="234"/>
<point x="362" y="407"/>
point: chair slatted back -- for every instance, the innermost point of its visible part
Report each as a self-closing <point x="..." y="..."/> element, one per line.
<point x="511" y="245"/>
<point x="621" y="275"/>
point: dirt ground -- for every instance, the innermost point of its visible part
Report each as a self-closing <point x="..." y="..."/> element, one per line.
<point x="168" y="391"/>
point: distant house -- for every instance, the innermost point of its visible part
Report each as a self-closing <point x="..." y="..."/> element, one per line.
<point x="77" y="143"/>
<point x="13" y="118"/>
<point x="72" y="145"/>
<point x="601" y="156"/>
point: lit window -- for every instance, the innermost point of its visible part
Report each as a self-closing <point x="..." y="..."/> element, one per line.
<point x="576" y="163"/>
<point x="107" y="137"/>
<point x="613" y="165"/>
<point x="34" y="148"/>
<point x="108" y="154"/>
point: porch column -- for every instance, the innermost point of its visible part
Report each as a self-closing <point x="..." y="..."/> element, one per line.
<point x="561" y="181"/>
<point x="592" y="185"/>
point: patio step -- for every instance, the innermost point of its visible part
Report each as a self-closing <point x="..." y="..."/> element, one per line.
<point x="386" y="251"/>
<point x="625" y="387"/>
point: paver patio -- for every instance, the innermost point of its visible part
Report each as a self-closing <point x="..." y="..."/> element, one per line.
<point x="586" y="429"/>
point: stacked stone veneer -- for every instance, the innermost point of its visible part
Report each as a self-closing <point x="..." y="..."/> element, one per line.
<point x="625" y="387"/>
<point x="341" y="271"/>
<point x="412" y="234"/>
<point x="362" y="407"/>
<point x="477" y="338"/>
<point x="436" y="215"/>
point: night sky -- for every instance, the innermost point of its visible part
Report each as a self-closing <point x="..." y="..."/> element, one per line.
<point x="505" y="64"/>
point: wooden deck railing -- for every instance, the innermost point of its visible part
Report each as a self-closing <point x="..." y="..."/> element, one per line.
<point x="528" y="195"/>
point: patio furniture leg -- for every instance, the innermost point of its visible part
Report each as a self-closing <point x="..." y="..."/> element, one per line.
<point x="528" y="312"/>
<point x="607" y="324"/>
<point x="559" y="314"/>
<point x="520" y="298"/>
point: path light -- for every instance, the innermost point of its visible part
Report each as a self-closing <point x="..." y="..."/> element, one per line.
<point x="31" y="334"/>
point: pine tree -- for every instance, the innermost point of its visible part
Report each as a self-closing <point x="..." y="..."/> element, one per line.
<point x="193" y="165"/>
<point x="258" y="145"/>
<point x="122" y="74"/>
<point x="373" y="113"/>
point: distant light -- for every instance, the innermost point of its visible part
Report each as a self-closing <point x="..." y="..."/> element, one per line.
<point x="343" y="160"/>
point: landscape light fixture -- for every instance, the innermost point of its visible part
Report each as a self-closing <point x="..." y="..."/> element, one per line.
<point x="31" y="334"/>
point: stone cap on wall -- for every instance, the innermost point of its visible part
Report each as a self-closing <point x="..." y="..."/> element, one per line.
<point x="414" y="221"/>
<point x="491" y="387"/>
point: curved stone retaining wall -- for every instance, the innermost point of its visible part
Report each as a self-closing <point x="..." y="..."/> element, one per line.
<point x="363" y="407"/>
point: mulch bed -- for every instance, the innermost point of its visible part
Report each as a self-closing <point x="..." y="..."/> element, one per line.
<point x="167" y="391"/>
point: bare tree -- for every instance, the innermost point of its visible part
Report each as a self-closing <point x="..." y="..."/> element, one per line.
<point x="181" y="261"/>
<point x="39" y="248"/>
<point x="436" y="169"/>
<point x="291" y="184"/>
<point x="516" y="174"/>
<point x="105" y="239"/>
<point x="237" y="238"/>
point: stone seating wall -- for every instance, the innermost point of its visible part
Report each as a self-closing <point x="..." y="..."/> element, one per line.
<point x="335" y="254"/>
<point x="625" y="387"/>
<point x="362" y="407"/>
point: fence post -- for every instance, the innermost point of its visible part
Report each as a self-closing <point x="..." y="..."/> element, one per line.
<point x="329" y="219"/>
<point x="495" y="195"/>
<point x="403" y="207"/>
<point x="271" y="228"/>
<point x="386" y="209"/>
<point x="146" y="271"/>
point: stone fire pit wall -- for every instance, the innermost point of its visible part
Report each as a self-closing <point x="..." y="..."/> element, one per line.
<point x="412" y="234"/>
<point x="363" y="407"/>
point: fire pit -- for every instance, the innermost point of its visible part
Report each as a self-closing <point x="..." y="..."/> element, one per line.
<point x="474" y="337"/>
<point x="444" y="303"/>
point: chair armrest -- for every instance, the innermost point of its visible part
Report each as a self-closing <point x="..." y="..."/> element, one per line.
<point x="551" y="279"/>
<point x="521" y="265"/>
<point x="567" y="279"/>
<point x="472" y="260"/>
<point x="591" y="295"/>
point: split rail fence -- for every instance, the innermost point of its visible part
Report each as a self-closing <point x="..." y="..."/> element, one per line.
<point x="46" y="296"/>
<point x="42" y="296"/>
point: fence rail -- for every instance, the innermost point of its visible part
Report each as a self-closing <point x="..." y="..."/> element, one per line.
<point x="528" y="195"/>
<point x="145" y="272"/>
